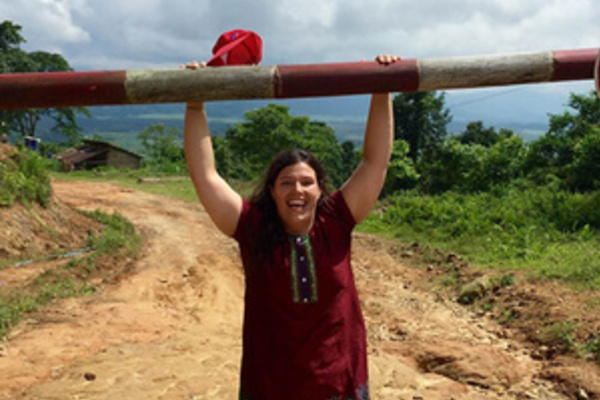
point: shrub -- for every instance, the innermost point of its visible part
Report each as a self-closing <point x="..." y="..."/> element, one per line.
<point x="24" y="178"/>
<point x="551" y="232"/>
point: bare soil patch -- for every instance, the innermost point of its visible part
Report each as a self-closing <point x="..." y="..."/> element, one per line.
<point x="171" y="327"/>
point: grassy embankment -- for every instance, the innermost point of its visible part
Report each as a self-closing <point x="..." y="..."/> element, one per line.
<point x="24" y="178"/>
<point x="543" y="231"/>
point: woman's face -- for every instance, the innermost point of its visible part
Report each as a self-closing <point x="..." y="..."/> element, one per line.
<point x="296" y="192"/>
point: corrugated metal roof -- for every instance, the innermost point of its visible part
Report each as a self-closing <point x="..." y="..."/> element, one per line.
<point x="90" y="149"/>
<point x="75" y="156"/>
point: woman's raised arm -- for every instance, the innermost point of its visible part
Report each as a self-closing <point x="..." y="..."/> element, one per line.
<point x="362" y="189"/>
<point x="221" y="202"/>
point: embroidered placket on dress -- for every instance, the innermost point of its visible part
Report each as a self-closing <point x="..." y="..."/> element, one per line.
<point x="302" y="266"/>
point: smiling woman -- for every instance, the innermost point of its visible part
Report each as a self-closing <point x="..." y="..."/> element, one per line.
<point x="304" y="335"/>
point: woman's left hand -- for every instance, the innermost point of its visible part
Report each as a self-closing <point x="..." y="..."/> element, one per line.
<point x="387" y="59"/>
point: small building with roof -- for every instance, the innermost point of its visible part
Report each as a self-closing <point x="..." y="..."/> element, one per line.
<point x="95" y="153"/>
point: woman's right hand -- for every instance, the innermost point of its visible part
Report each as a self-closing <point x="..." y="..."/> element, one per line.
<point x="195" y="105"/>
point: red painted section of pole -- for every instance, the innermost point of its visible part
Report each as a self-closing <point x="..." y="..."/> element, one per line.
<point x="574" y="64"/>
<point x="346" y="79"/>
<point x="38" y="90"/>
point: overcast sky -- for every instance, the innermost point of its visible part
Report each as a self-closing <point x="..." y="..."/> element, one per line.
<point x="125" y="34"/>
<point x="140" y="34"/>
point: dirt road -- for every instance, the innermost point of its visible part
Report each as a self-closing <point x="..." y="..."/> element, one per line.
<point x="172" y="330"/>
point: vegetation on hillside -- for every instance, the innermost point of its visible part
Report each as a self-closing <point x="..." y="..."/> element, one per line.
<point x="106" y="260"/>
<point x="24" y="177"/>
<point x="550" y="232"/>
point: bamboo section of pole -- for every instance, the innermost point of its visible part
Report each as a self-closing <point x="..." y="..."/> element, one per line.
<point x="67" y="89"/>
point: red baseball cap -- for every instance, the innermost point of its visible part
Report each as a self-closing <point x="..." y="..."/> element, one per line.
<point x="237" y="47"/>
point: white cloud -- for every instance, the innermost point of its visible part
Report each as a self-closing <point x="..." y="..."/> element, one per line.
<point x="47" y="24"/>
<point x="322" y="12"/>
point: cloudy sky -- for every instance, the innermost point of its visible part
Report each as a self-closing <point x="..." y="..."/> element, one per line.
<point x="140" y="34"/>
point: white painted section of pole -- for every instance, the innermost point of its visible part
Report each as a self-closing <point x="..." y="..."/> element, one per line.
<point x="465" y="72"/>
<point x="231" y="83"/>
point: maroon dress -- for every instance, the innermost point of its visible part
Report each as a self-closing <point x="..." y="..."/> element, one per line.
<point x="304" y="334"/>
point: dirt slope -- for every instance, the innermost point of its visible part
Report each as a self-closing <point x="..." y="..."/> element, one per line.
<point x="172" y="329"/>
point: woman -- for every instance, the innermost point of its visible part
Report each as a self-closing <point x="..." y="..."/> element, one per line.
<point x="304" y="335"/>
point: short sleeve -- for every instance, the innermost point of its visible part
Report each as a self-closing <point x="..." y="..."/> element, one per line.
<point x="245" y="217"/>
<point x="341" y="211"/>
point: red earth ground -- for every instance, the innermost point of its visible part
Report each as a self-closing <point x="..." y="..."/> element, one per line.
<point x="169" y="327"/>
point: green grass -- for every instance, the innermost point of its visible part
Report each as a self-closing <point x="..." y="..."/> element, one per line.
<point x="24" y="178"/>
<point x="182" y="189"/>
<point x="71" y="279"/>
<point x="119" y="235"/>
<point x="547" y="233"/>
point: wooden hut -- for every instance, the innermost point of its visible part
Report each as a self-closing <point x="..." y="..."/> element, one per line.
<point x="94" y="153"/>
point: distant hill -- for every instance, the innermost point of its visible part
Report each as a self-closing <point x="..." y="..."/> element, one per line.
<point x="519" y="108"/>
<point x="121" y="124"/>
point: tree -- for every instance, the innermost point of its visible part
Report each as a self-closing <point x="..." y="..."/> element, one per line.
<point x="585" y="169"/>
<point x="421" y="121"/>
<point x="577" y="125"/>
<point x="350" y="157"/>
<point x="13" y="59"/>
<point x="476" y="133"/>
<point x="565" y="151"/>
<point x="320" y="139"/>
<point x="10" y="39"/>
<point x="401" y="173"/>
<point x="548" y="158"/>
<point x="449" y="166"/>
<point x="501" y="164"/>
<point x="270" y="129"/>
<point x="162" y="148"/>
<point x="265" y="132"/>
<point x="472" y="168"/>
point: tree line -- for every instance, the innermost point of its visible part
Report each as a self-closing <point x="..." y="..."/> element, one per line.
<point x="481" y="158"/>
<point x="426" y="157"/>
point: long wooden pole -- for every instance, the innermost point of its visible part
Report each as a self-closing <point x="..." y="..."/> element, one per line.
<point x="65" y="89"/>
